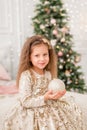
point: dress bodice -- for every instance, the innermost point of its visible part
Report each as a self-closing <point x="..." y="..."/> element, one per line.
<point x="32" y="88"/>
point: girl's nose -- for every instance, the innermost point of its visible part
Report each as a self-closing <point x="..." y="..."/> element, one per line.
<point x="42" y="58"/>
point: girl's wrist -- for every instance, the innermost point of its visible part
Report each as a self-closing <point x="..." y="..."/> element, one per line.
<point x="45" y="98"/>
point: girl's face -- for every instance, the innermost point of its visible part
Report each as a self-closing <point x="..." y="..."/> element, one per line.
<point x="39" y="57"/>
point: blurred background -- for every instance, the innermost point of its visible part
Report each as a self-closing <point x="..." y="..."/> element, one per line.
<point x="16" y="26"/>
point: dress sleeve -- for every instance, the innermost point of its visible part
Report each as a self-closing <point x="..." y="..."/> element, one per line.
<point x="25" y="92"/>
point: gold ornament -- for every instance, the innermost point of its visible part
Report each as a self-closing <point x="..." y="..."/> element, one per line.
<point x="77" y="59"/>
<point x="63" y="39"/>
<point x="65" y="29"/>
<point x="67" y="73"/>
<point x="57" y="47"/>
<point x="47" y="10"/>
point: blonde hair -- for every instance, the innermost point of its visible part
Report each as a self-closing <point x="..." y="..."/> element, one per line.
<point x="25" y="64"/>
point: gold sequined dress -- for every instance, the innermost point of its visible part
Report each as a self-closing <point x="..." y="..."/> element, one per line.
<point x="31" y="112"/>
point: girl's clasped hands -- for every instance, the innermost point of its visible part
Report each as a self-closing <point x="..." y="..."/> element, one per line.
<point x="50" y="95"/>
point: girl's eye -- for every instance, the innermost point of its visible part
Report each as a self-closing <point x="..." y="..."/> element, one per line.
<point x="36" y="55"/>
<point x="46" y="54"/>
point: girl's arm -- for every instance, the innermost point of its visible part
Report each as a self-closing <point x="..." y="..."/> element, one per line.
<point x="25" y="91"/>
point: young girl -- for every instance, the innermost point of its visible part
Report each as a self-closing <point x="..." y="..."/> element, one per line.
<point x="37" y="108"/>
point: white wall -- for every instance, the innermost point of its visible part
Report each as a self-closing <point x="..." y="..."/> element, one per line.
<point x="9" y="34"/>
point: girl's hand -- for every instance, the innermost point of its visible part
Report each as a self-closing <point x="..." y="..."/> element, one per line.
<point x="58" y="94"/>
<point x="53" y="96"/>
<point x="48" y="95"/>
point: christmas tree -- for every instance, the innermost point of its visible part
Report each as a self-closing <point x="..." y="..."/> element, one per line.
<point x="51" y="20"/>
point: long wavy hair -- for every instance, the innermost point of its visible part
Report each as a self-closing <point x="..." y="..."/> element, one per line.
<point x="25" y="63"/>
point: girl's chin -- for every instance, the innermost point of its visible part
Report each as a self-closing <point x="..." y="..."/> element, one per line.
<point x="42" y="67"/>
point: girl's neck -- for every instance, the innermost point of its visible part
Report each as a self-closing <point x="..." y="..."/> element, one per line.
<point x="40" y="72"/>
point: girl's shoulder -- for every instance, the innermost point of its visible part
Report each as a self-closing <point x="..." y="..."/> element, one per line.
<point x="26" y="73"/>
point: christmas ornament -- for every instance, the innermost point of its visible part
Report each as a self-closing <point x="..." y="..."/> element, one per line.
<point x="65" y="29"/>
<point x="55" y="32"/>
<point x="42" y="27"/>
<point x="47" y="10"/>
<point x="53" y="21"/>
<point x="56" y="85"/>
<point x="53" y="42"/>
<point x="68" y="60"/>
<point x="67" y="55"/>
<point x="69" y="82"/>
<point x="63" y="39"/>
<point x="67" y="73"/>
<point x="60" y="53"/>
<point x="46" y="3"/>
<point x="60" y="67"/>
<point x="77" y="59"/>
<point x="57" y="47"/>
<point x="61" y="60"/>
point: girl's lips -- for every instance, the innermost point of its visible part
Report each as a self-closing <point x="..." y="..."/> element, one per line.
<point x="42" y="64"/>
